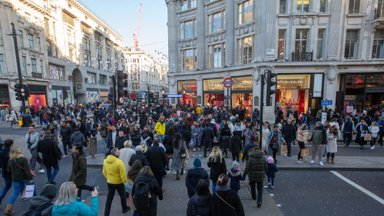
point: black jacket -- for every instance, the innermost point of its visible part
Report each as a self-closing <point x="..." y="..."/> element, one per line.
<point x="199" y="205"/>
<point x="156" y="192"/>
<point x="119" y="142"/>
<point x="138" y="156"/>
<point x="50" y="152"/>
<point x="168" y="144"/>
<point x="220" y="208"/>
<point x="39" y="201"/>
<point x="4" y="158"/>
<point x="217" y="167"/>
<point x="236" y="145"/>
<point x="66" y="133"/>
<point x="289" y="132"/>
<point x="193" y="176"/>
<point x="208" y="135"/>
<point x="157" y="159"/>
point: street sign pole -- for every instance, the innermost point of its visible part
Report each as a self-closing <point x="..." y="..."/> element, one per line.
<point x="261" y="107"/>
<point x="14" y="35"/>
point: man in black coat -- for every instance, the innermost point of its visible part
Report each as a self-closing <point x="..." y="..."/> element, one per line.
<point x="120" y="140"/>
<point x="289" y="135"/>
<point x="139" y="155"/>
<point x="157" y="160"/>
<point x="51" y="156"/>
<point x="193" y="177"/>
<point x="207" y="138"/>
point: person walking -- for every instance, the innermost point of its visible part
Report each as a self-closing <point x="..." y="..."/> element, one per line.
<point x="131" y="176"/>
<point x="180" y="153"/>
<point x="139" y="155"/>
<point x="68" y="203"/>
<point x="225" y="202"/>
<point x="7" y="176"/>
<point x="271" y="172"/>
<point x="289" y="134"/>
<point x="160" y="128"/>
<point x="374" y="129"/>
<point x="194" y="175"/>
<point x="31" y="140"/>
<point x="302" y="139"/>
<point x="362" y="130"/>
<point x="347" y="129"/>
<point x="77" y="138"/>
<point x="236" y="145"/>
<point x="275" y="140"/>
<point x="126" y="154"/>
<point x="317" y="140"/>
<point x="255" y="169"/>
<point x="332" y="134"/>
<point x="116" y="175"/>
<point x="207" y="137"/>
<point x="51" y="155"/>
<point x="216" y="163"/>
<point x="157" y="159"/>
<point x="200" y="202"/>
<point x="21" y="175"/>
<point x="264" y="137"/>
<point x="234" y="175"/>
<point x="65" y="134"/>
<point x="79" y="170"/>
<point x="225" y="138"/>
<point x="103" y="130"/>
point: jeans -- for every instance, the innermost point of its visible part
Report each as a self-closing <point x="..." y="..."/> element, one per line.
<point x="213" y="187"/>
<point x="161" y="137"/>
<point x="105" y="144"/>
<point x="51" y="175"/>
<point x="373" y="141"/>
<point x="83" y="187"/>
<point x="274" y="153"/>
<point x="289" y="147"/>
<point x="7" y="186"/>
<point x="18" y="187"/>
<point x="260" y="187"/>
<point x="35" y="157"/>
<point x="271" y="180"/>
<point x="347" y="137"/>
<point x="159" y="177"/>
<point x="111" y="193"/>
<point x="316" y="149"/>
<point x="301" y="146"/>
<point x="66" y="146"/>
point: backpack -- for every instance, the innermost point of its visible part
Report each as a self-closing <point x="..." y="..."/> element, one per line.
<point x="38" y="211"/>
<point x="182" y="152"/>
<point x="142" y="197"/>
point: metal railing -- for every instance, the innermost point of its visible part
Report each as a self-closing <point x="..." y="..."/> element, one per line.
<point x="302" y="56"/>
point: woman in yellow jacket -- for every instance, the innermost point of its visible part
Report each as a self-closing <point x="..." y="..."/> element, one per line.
<point x="114" y="172"/>
<point x="160" y="128"/>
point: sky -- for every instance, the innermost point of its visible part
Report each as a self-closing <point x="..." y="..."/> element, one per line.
<point x="122" y="16"/>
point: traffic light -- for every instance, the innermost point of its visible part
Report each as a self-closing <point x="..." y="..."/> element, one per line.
<point x="122" y="84"/>
<point x="27" y="93"/>
<point x="110" y="95"/>
<point x="18" y="92"/>
<point x="271" y="86"/>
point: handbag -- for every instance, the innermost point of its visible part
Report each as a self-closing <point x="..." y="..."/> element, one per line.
<point x="367" y="137"/>
<point x="304" y="152"/>
<point x="284" y="149"/>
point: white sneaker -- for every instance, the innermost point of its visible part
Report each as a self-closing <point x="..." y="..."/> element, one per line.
<point x="194" y="149"/>
<point x="299" y="162"/>
<point x="373" y="147"/>
<point x="312" y="161"/>
<point x="321" y="163"/>
<point x="41" y="171"/>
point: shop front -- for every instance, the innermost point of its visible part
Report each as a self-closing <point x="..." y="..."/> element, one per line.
<point x="4" y="97"/>
<point x="242" y="94"/>
<point x="362" y="91"/>
<point x="188" y="88"/>
<point x="213" y="91"/>
<point x="104" y="95"/>
<point x="38" y="96"/>
<point x="61" y="95"/>
<point x="92" y="95"/>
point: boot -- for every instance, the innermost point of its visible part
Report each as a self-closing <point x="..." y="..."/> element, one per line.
<point x="328" y="161"/>
<point x="9" y="210"/>
<point x="333" y="161"/>
<point x="182" y="171"/>
<point x="177" y="175"/>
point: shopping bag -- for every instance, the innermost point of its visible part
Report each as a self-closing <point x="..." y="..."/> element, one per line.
<point x="304" y="152"/>
<point x="367" y="137"/>
<point x="20" y="122"/>
<point x="284" y="149"/>
<point x="28" y="191"/>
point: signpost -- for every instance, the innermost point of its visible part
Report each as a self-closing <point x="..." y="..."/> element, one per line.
<point x="174" y="96"/>
<point x="228" y="82"/>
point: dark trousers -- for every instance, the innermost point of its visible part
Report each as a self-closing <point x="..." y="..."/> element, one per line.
<point x="236" y="156"/>
<point x="159" y="177"/>
<point x="347" y="137"/>
<point x="51" y="175"/>
<point x="66" y="146"/>
<point x="373" y="141"/>
<point x="301" y="146"/>
<point x="260" y="188"/>
<point x="111" y="193"/>
<point x="207" y="145"/>
<point x="83" y="187"/>
<point x="274" y="154"/>
<point x="271" y="180"/>
<point x="7" y="186"/>
<point x="289" y="146"/>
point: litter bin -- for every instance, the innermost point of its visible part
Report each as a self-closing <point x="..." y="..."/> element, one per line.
<point x="92" y="146"/>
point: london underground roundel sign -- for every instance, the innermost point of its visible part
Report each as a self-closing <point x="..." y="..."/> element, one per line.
<point x="228" y="82"/>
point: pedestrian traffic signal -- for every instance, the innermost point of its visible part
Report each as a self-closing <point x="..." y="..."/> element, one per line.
<point x="271" y="86"/>
<point x="21" y="92"/>
<point x="122" y="84"/>
<point x="18" y="92"/>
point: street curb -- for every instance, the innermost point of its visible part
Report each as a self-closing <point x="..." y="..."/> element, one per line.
<point x="332" y="168"/>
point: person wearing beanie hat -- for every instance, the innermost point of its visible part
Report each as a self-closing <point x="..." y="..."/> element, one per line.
<point x="194" y="175"/>
<point x="139" y="155"/>
<point x="234" y="175"/>
<point x="43" y="203"/>
<point x="271" y="172"/>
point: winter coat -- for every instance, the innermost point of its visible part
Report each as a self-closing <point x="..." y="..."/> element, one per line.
<point x="135" y="137"/>
<point x="139" y="156"/>
<point x="79" y="169"/>
<point x="77" y="207"/>
<point x="125" y="156"/>
<point x="114" y="170"/>
<point x="19" y="169"/>
<point x="32" y="140"/>
<point x="4" y="158"/>
<point x="332" y="142"/>
<point x="199" y="205"/>
<point x="217" y="167"/>
<point x="157" y="159"/>
<point x="50" y="152"/>
<point x="65" y="133"/>
<point x="193" y="177"/>
<point x="208" y="135"/>
<point x="177" y="159"/>
<point x="220" y="208"/>
<point x="264" y="139"/>
<point x="279" y="140"/>
<point x="37" y="202"/>
<point x="234" y="180"/>
<point x="160" y="128"/>
<point x="156" y="192"/>
<point x="236" y="145"/>
<point x="289" y="132"/>
<point x="302" y="136"/>
<point x="119" y="143"/>
<point x="256" y="166"/>
<point x="167" y="141"/>
<point x="271" y="169"/>
<point x="77" y="138"/>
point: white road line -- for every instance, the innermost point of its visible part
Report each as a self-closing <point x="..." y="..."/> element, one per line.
<point x="369" y="193"/>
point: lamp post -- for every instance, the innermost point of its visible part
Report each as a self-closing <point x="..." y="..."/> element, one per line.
<point x="14" y="35"/>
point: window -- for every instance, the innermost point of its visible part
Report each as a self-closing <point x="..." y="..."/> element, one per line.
<point x="187" y="29"/>
<point x="216" y="22"/>
<point x="245" y="12"/>
<point x="91" y="78"/>
<point x="30" y="41"/>
<point x="351" y="44"/>
<point x="320" y="44"/>
<point x="378" y="45"/>
<point x="99" y="56"/>
<point x="301" y="40"/>
<point x="41" y="67"/>
<point x="34" y="66"/>
<point x="245" y="51"/>
<point x="20" y="41"/>
<point x="380" y="9"/>
<point x="323" y="6"/>
<point x="354" y="6"/>
<point x="38" y="44"/>
<point x="24" y="65"/>
<point x="188" y="59"/>
<point x="283" y="6"/>
<point x="87" y="51"/>
<point x="216" y="55"/>
<point x="49" y="48"/>
<point x="187" y="4"/>
<point x="303" y="5"/>
<point x="281" y="43"/>
<point x="103" y="80"/>
<point x="56" y="72"/>
<point x="2" y="70"/>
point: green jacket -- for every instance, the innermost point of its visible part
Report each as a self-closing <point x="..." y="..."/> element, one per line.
<point x="256" y="166"/>
<point x="19" y="169"/>
<point x="79" y="169"/>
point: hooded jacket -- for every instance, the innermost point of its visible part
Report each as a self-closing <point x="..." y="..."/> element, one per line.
<point x="39" y="201"/>
<point x="160" y="128"/>
<point x="155" y="192"/>
<point x="193" y="176"/>
<point x="114" y="170"/>
<point x="256" y="166"/>
<point x="77" y="208"/>
<point x="199" y="205"/>
<point x="77" y="138"/>
<point x="79" y="169"/>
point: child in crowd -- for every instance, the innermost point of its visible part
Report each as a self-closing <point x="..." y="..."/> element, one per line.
<point x="271" y="172"/>
<point x="234" y="175"/>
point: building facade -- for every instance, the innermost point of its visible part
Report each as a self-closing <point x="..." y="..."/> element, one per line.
<point x="319" y="49"/>
<point x="67" y="54"/>
<point x="145" y="73"/>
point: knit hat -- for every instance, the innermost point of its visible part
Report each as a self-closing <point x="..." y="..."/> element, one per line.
<point x="270" y="160"/>
<point x="235" y="169"/>
<point x="49" y="191"/>
<point x="139" y="148"/>
<point x="197" y="162"/>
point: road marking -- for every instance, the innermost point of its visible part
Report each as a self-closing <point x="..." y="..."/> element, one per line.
<point x="369" y="193"/>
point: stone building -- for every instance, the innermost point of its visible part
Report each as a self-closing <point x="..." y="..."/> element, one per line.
<point x="67" y="54"/>
<point x="319" y="49"/>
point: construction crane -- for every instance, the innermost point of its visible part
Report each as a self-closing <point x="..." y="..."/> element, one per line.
<point x="136" y="34"/>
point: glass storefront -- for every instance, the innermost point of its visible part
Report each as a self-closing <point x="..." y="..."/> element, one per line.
<point x="92" y="96"/>
<point x="188" y="88"/>
<point x="213" y="91"/>
<point x="4" y="96"/>
<point x="61" y="95"/>
<point x="38" y="96"/>
<point x="242" y="94"/>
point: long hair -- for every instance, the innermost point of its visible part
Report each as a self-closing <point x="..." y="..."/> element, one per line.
<point x="67" y="193"/>
<point x="135" y="170"/>
<point x="15" y="153"/>
<point x="176" y="140"/>
<point x="216" y="154"/>
<point x="202" y="188"/>
<point x="146" y="170"/>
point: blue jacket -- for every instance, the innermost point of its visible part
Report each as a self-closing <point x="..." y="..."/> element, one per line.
<point x="77" y="208"/>
<point x="279" y="139"/>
